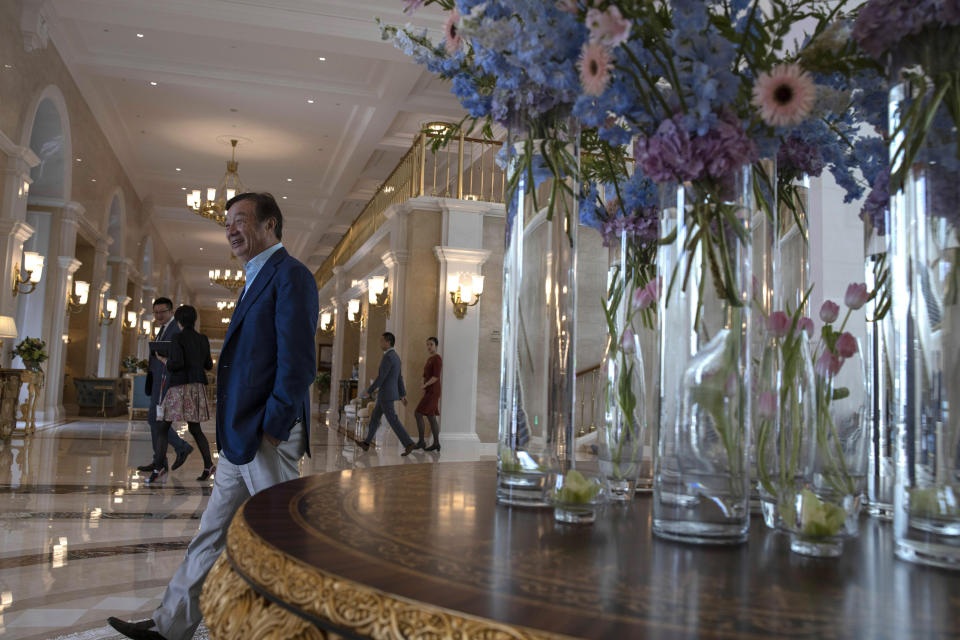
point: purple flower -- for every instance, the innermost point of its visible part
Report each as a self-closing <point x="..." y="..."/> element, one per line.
<point x="805" y="324"/>
<point x="799" y="156"/>
<point x="877" y="203"/>
<point x="828" y="364"/>
<point x="882" y="24"/>
<point x="668" y="155"/>
<point x="767" y="405"/>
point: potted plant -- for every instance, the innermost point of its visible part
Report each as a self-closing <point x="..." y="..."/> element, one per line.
<point x="323" y="382"/>
<point x="32" y="351"/>
<point x="130" y="364"/>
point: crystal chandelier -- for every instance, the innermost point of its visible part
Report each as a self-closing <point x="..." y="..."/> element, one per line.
<point x="232" y="280"/>
<point x="214" y="207"/>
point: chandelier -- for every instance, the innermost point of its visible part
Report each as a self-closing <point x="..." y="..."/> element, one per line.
<point x="234" y="280"/>
<point x="214" y="207"/>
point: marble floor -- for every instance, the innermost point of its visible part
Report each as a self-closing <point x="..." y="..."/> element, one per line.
<point x="84" y="538"/>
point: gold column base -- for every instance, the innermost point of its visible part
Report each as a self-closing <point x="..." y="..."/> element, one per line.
<point x="232" y="610"/>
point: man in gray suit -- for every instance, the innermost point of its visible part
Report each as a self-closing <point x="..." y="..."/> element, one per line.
<point x="163" y="316"/>
<point x="390" y="383"/>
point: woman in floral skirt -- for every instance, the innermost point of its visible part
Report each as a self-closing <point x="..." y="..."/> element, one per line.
<point x="184" y="398"/>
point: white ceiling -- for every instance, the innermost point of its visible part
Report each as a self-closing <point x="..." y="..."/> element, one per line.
<point x="246" y="68"/>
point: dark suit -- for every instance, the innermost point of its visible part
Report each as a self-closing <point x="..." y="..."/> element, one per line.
<point x="158" y="372"/>
<point x="267" y="364"/>
<point x="390" y="383"/>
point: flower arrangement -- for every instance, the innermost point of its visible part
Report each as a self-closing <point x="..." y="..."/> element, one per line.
<point x="703" y="88"/>
<point x="131" y="363"/>
<point x="32" y="351"/>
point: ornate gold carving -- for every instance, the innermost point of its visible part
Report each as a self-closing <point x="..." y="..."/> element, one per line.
<point x="232" y="610"/>
<point x="349" y="605"/>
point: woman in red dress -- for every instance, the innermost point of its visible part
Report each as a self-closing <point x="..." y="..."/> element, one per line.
<point x="429" y="404"/>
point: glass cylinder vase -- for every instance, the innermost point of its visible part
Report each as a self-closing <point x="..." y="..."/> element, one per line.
<point x="878" y="366"/>
<point x="628" y="312"/>
<point x="538" y="347"/>
<point x="701" y="477"/>
<point x="786" y="415"/>
<point x="822" y="507"/>
<point x="925" y="242"/>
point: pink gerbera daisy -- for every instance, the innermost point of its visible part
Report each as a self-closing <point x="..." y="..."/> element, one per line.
<point x="595" y="66"/>
<point x="452" y="32"/>
<point x="785" y="95"/>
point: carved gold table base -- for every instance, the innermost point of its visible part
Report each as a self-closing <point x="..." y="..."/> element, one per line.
<point x="28" y="410"/>
<point x="10" y="381"/>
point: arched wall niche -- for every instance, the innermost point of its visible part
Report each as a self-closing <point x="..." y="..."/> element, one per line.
<point x="47" y="133"/>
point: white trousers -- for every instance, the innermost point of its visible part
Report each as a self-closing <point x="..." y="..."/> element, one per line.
<point x="178" y="616"/>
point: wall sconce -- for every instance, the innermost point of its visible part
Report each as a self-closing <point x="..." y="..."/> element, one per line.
<point x="131" y="322"/>
<point x="145" y="327"/>
<point x="109" y="311"/>
<point x="326" y="322"/>
<point x="462" y="287"/>
<point x="224" y="320"/>
<point x="25" y="281"/>
<point x="77" y="301"/>
<point x="353" y="313"/>
<point x="223" y="304"/>
<point x="377" y="292"/>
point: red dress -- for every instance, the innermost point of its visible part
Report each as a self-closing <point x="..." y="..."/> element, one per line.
<point x="429" y="404"/>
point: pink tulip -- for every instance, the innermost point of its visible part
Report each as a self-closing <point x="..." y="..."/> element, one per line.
<point x="806" y="324"/>
<point x="856" y="296"/>
<point x="846" y="345"/>
<point x="653" y="287"/>
<point x="778" y="324"/>
<point x="828" y="364"/>
<point x="829" y="311"/>
<point x="627" y="342"/>
<point x="642" y="299"/>
<point x="767" y="405"/>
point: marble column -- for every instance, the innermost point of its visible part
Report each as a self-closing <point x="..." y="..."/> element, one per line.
<point x="119" y="272"/>
<point x="364" y="365"/>
<point x="16" y="179"/>
<point x="52" y="400"/>
<point x="460" y="346"/>
<point x="336" y="359"/>
<point x="149" y="294"/>
<point x="13" y="233"/>
<point x="396" y="264"/>
<point x="99" y="287"/>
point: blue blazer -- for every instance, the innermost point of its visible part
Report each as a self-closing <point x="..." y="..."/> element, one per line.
<point x="389" y="380"/>
<point x="268" y="359"/>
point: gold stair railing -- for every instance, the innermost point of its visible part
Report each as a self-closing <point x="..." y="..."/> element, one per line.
<point x="589" y="389"/>
<point x="463" y="168"/>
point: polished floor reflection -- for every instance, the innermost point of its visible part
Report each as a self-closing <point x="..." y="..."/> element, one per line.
<point x="85" y="538"/>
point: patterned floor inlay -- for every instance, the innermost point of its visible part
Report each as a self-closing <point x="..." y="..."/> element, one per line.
<point x="93" y="553"/>
<point x="107" y="633"/>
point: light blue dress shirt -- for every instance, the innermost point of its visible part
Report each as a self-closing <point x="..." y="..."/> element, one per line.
<point x="256" y="263"/>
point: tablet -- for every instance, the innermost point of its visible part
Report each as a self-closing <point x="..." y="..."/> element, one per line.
<point x="160" y="347"/>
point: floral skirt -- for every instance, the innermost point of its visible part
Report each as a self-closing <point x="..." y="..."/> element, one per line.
<point x="186" y="403"/>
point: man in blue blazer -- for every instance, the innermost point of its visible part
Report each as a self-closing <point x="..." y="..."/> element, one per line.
<point x="266" y="366"/>
<point x="390" y="383"/>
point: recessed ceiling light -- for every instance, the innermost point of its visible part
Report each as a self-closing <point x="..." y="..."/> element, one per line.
<point x="8" y="66"/>
<point x="289" y="179"/>
<point x="321" y="59"/>
<point x="79" y="159"/>
<point x="284" y="197"/>
<point x="93" y="179"/>
<point x="139" y="35"/>
<point x="309" y="100"/>
<point x="183" y="188"/>
<point x="178" y="168"/>
<point x="152" y="83"/>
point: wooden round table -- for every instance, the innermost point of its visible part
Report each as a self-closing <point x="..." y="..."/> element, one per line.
<point x="424" y="551"/>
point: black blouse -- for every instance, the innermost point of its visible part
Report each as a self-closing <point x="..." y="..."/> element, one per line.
<point x="189" y="357"/>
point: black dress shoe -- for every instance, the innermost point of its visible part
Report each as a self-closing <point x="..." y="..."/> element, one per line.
<point x="146" y="468"/>
<point x="407" y="449"/>
<point x="142" y="630"/>
<point x="420" y="444"/>
<point x="363" y="445"/>
<point x="434" y="447"/>
<point x="181" y="458"/>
